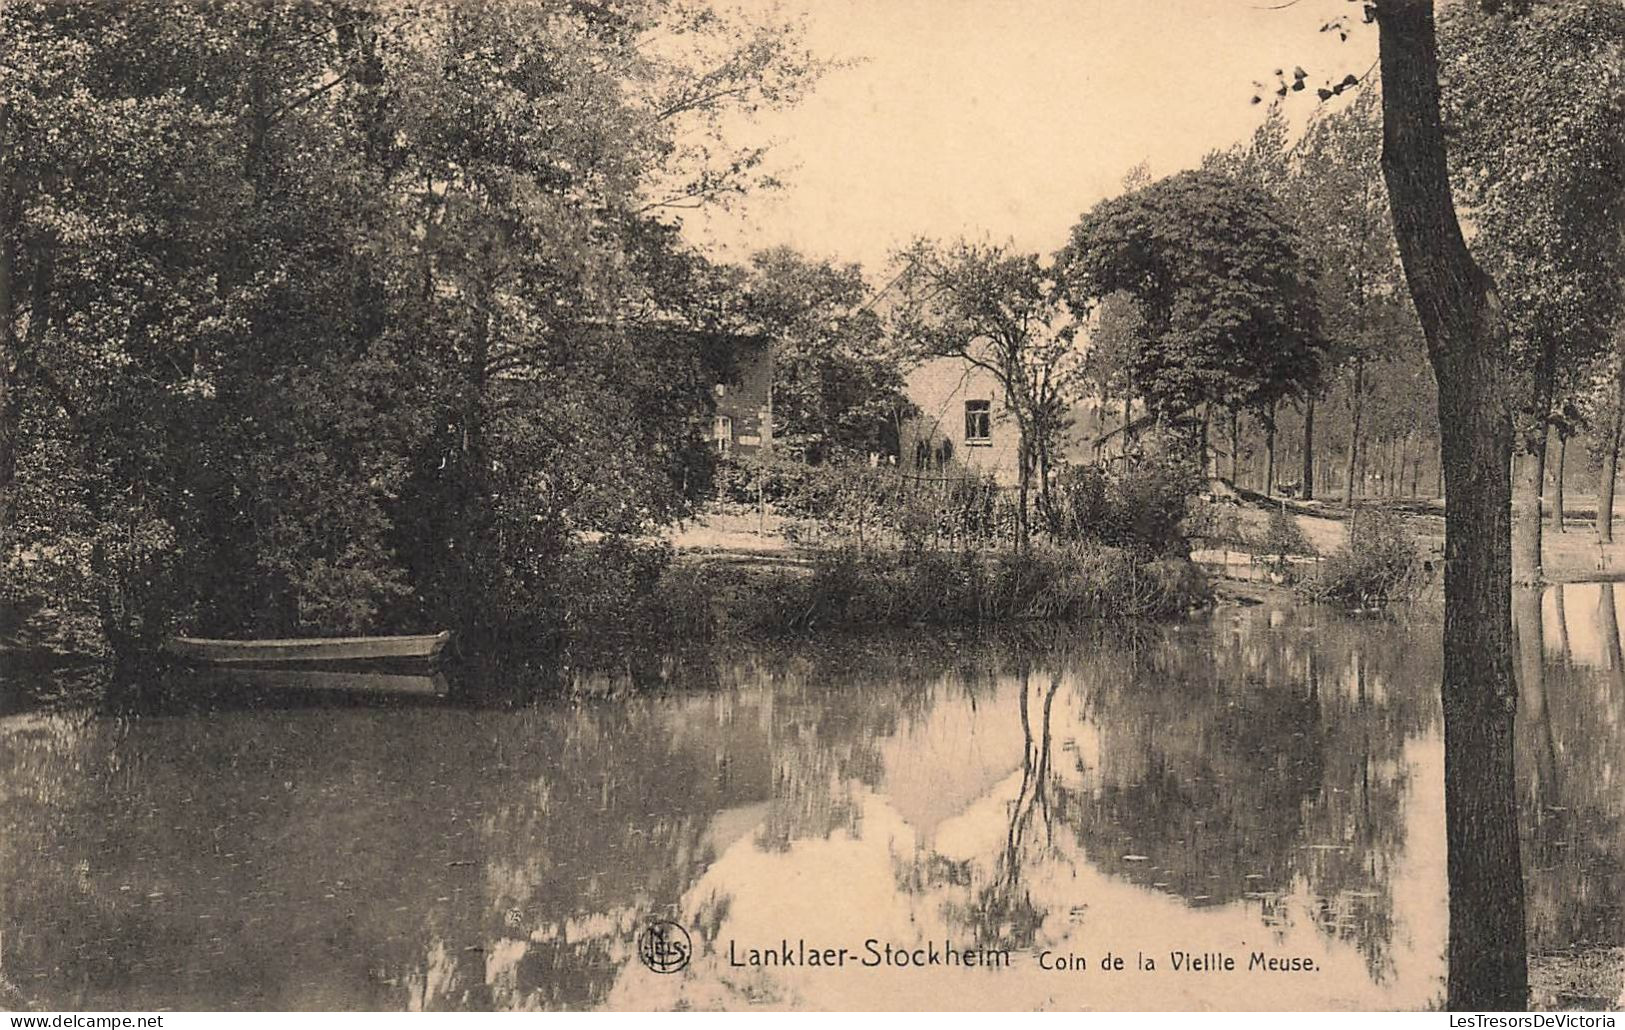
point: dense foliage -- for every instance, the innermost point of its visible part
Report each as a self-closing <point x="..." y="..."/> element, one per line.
<point x="837" y="377"/>
<point x="348" y="315"/>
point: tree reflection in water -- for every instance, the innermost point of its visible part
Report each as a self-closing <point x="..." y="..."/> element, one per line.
<point x="1272" y="770"/>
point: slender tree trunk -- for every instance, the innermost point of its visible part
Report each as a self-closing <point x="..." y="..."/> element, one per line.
<point x="1209" y="465"/>
<point x="1355" y="405"/>
<point x="1235" y="445"/>
<point x="1309" y="449"/>
<point x="1269" y="454"/>
<point x="1529" y="474"/>
<point x="11" y="396"/>
<point x="1557" y="482"/>
<point x="1128" y="419"/>
<point x="1024" y="481"/>
<point x="1404" y="466"/>
<point x="1610" y="465"/>
<point x="1467" y="343"/>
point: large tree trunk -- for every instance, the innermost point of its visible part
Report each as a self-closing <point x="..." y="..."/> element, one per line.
<point x="1354" y="430"/>
<point x="1309" y="449"/>
<point x="1529" y="475"/>
<point x="1467" y="343"/>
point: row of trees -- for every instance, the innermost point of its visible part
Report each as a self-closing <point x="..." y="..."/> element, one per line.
<point x="1280" y="270"/>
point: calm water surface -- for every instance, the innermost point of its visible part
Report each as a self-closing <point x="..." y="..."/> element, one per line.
<point x="1260" y="780"/>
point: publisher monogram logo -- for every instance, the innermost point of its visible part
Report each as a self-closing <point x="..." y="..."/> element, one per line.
<point x="664" y="946"/>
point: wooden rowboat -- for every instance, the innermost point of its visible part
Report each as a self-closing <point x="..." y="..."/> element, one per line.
<point x="299" y="651"/>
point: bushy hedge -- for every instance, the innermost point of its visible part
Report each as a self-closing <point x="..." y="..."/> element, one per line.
<point x="1380" y="564"/>
<point x="1138" y="505"/>
<point x="862" y="503"/>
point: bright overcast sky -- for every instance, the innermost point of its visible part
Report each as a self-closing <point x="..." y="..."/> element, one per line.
<point x="1010" y="118"/>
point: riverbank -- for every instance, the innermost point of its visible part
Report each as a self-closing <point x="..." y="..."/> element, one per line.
<point x="707" y="595"/>
<point x="1587" y="978"/>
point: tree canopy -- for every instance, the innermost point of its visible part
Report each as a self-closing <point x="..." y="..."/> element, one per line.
<point x="1222" y="281"/>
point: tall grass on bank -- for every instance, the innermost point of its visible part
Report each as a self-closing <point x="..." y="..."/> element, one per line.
<point x="846" y="589"/>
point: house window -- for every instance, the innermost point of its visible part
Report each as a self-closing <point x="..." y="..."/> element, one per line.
<point x="722" y="431"/>
<point x="979" y="423"/>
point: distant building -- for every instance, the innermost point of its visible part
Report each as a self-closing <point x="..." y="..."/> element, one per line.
<point x="742" y="422"/>
<point x="963" y="425"/>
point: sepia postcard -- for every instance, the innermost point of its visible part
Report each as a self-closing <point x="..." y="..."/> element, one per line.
<point x="811" y="505"/>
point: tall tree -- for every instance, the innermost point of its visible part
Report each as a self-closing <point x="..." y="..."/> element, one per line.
<point x="1536" y="105"/>
<point x="1337" y="194"/>
<point x="1223" y="283"/>
<point x="1466" y="331"/>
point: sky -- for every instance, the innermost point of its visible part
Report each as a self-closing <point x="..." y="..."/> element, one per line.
<point x="1008" y="119"/>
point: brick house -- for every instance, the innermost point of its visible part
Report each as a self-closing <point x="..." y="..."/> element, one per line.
<point x="742" y="422"/>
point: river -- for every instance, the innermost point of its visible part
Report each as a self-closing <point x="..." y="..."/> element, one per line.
<point x="1260" y="781"/>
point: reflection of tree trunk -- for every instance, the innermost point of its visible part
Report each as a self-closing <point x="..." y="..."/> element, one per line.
<point x="1557" y="481"/>
<point x="1309" y="449"/>
<point x="1355" y="399"/>
<point x="1530" y="641"/>
<point x="1562" y="626"/>
<point x="1032" y="794"/>
<point x="1466" y="332"/>
<point x="1608" y="629"/>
